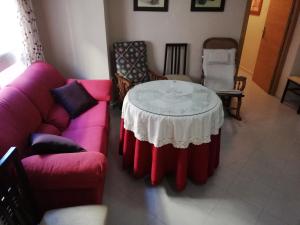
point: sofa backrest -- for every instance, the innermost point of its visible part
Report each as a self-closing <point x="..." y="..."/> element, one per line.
<point x="19" y="118"/>
<point x="36" y="83"/>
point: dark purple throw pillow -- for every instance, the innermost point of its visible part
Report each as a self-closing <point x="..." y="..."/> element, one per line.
<point x="52" y="144"/>
<point x="74" y="98"/>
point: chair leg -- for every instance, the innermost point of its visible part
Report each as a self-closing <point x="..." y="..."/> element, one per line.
<point x="226" y="101"/>
<point x="238" y="108"/>
<point x="285" y="90"/>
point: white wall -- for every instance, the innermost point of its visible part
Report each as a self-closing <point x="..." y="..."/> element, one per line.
<point x="253" y="37"/>
<point x="290" y="59"/>
<point x="296" y="67"/>
<point x="179" y="24"/>
<point x="73" y="35"/>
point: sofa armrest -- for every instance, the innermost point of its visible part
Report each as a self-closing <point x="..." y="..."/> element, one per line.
<point x="81" y="170"/>
<point x="99" y="89"/>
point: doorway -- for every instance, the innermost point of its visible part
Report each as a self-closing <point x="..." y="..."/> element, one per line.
<point x="253" y="36"/>
<point x="266" y="37"/>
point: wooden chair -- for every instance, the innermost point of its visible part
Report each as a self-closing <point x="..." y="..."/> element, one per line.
<point x="17" y="205"/>
<point x="131" y="66"/>
<point x="292" y="85"/>
<point x="219" y="68"/>
<point x="175" y="62"/>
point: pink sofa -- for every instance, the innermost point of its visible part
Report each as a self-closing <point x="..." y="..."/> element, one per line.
<point x="27" y="106"/>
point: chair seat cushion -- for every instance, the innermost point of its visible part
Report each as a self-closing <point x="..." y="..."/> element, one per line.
<point x="219" y="56"/>
<point x="78" y="215"/>
<point x="81" y="170"/>
<point x="181" y="77"/>
<point x="219" y="76"/>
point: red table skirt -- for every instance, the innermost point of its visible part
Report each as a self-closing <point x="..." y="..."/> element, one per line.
<point x="198" y="162"/>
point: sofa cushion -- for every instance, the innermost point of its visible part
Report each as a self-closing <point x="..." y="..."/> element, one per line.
<point x="36" y="83"/>
<point x="19" y="118"/>
<point x="74" y="98"/>
<point x="58" y="117"/>
<point x="81" y="170"/>
<point x="51" y="144"/>
<point x="93" y="139"/>
<point x="99" y="89"/>
<point x="48" y="129"/>
<point x="96" y="116"/>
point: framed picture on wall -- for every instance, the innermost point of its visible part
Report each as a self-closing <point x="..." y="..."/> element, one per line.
<point x="150" y="5"/>
<point x="208" y="5"/>
<point x="256" y="7"/>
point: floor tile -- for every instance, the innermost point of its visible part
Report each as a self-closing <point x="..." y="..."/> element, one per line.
<point x="267" y="219"/>
<point x="232" y="210"/>
<point x="257" y="182"/>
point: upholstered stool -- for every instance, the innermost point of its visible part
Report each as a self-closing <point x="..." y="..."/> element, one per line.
<point x="295" y="80"/>
<point x="78" y="215"/>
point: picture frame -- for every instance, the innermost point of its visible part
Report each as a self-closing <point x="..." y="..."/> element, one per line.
<point x="256" y="6"/>
<point x="151" y="5"/>
<point x="208" y="5"/>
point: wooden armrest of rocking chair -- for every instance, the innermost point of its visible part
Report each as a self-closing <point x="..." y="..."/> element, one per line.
<point x="154" y="76"/>
<point x="240" y="83"/>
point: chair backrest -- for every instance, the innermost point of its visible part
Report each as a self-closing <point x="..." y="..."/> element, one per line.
<point x="16" y="204"/>
<point x="220" y="63"/>
<point x="175" y="58"/>
<point x="131" y="61"/>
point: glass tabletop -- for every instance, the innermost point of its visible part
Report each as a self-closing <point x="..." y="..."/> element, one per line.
<point x="173" y="98"/>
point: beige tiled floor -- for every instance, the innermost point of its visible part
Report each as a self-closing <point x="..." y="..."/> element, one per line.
<point x="257" y="183"/>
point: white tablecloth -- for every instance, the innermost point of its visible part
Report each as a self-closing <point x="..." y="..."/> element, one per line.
<point x="172" y="112"/>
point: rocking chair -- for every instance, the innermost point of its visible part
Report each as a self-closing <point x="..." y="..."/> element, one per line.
<point x="220" y="72"/>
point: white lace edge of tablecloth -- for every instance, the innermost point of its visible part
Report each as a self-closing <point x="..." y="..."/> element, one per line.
<point x="214" y="130"/>
<point x="177" y="144"/>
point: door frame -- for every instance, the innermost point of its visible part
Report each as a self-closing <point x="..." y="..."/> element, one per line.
<point x="285" y="46"/>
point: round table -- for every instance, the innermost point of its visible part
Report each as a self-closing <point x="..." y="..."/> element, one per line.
<point x="170" y="126"/>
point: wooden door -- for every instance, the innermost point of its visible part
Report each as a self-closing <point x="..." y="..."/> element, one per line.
<point x="272" y="42"/>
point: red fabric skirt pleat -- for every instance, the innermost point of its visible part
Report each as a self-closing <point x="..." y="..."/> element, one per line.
<point x="198" y="162"/>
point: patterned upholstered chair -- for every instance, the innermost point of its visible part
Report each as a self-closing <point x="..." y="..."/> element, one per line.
<point x="131" y="65"/>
